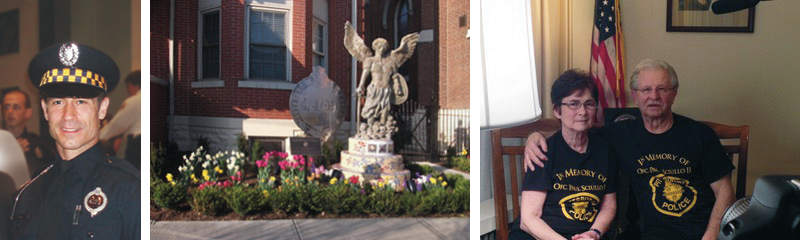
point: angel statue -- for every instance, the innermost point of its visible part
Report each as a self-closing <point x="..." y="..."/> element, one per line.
<point x="386" y="86"/>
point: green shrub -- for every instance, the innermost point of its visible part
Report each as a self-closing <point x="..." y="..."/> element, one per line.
<point x="461" y="192"/>
<point x="168" y="196"/>
<point x="316" y="198"/>
<point x="459" y="162"/>
<point x="280" y="200"/>
<point x="433" y="200"/>
<point x="245" y="200"/>
<point x="384" y="201"/>
<point x="331" y="152"/>
<point x="340" y="199"/>
<point x="209" y="201"/>
<point x="409" y="203"/>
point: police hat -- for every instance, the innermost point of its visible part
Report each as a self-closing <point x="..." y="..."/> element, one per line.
<point x="73" y="70"/>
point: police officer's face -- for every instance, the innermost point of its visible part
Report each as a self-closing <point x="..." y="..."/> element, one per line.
<point x="14" y="110"/>
<point x="74" y="123"/>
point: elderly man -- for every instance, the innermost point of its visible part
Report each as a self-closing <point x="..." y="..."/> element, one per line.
<point x="17" y="111"/>
<point x="676" y="166"/>
<point x="83" y="193"/>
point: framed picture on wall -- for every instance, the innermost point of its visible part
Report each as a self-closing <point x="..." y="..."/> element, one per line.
<point x="696" y="16"/>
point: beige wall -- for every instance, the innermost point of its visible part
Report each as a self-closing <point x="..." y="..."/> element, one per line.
<point x="731" y="78"/>
<point x="14" y="66"/>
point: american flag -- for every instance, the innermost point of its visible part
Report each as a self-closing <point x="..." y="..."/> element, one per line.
<point x="607" y="65"/>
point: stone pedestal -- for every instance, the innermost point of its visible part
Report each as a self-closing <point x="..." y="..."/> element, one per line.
<point x="373" y="159"/>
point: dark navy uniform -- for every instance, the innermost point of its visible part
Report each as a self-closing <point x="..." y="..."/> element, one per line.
<point x="90" y="195"/>
<point x="58" y="203"/>
<point x="39" y="152"/>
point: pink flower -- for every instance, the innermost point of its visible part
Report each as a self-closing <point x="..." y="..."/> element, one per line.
<point x="283" y="155"/>
<point x="282" y="164"/>
<point x="311" y="159"/>
<point x="297" y="157"/>
<point x="266" y="156"/>
<point x="239" y="173"/>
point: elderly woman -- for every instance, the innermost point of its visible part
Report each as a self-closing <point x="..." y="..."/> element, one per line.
<point x="574" y="195"/>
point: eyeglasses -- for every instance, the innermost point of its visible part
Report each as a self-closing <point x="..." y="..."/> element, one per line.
<point x="575" y="105"/>
<point x="659" y="90"/>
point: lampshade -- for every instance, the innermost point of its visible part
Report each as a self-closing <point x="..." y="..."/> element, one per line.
<point x="506" y="63"/>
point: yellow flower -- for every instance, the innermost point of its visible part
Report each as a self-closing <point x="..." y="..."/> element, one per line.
<point x="295" y="178"/>
<point x="217" y="169"/>
<point x="272" y="179"/>
<point x="444" y="184"/>
<point x="205" y="175"/>
<point x="433" y="180"/>
<point x="266" y="194"/>
<point x="193" y="177"/>
<point x="263" y="180"/>
<point x="310" y="178"/>
<point x="173" y="183"/>
<point x="440" y="178"/>
<point x="380" y="184"/>
<point x="333" y="181"/>
<point x="464" y="152"/>
<point x="169" y="177"/>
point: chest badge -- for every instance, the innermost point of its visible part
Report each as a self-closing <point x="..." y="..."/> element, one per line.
<point x="95" y="201"/>
<point x="672" y="196"/>
<point x="582" y="206"/>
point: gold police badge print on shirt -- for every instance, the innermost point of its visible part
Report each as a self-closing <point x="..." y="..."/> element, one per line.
<point x="672" y="196"/>
<point x="580" y="206"/>
<point x="95" y="201"/>
<point x="68" y="54"/>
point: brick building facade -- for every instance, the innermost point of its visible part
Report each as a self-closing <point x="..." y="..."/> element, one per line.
<point x="225" y="67"/>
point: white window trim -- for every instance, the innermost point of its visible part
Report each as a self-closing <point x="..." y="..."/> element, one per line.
<point x="200" y="46"/>
<point x="324" y="52"/>
<point x="288" y="26"/>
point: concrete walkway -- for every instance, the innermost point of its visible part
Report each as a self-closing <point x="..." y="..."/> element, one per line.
<point x="365" y="228"/>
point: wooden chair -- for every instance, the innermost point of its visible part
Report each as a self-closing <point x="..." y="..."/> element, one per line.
<point x="741" y="133"/>
<point x="548" y="127"/>
<point x="515" y="154"/>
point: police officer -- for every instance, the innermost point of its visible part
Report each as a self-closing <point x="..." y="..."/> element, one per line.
<point x="83" y="193"/>
<point x="17" y="111"/>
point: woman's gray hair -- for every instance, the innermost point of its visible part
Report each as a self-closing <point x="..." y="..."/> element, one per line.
<point x="650" y="64"/>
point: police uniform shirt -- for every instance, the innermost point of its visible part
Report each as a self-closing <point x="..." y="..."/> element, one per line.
<point x="671" y="174"/>
<point x="127" y="121"/>
<point x="39" y="153"/>
<point x="90" y="196"/>
<point x="575" y="183"/>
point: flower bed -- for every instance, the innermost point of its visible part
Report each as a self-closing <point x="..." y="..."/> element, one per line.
<point x="279" y="186"/>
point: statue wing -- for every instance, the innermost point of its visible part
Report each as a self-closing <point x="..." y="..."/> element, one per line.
<point x="354" y="44"/>
<point x="406" y="49"/>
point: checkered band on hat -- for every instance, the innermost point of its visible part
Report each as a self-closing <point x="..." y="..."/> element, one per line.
<point x="69" y="75"/>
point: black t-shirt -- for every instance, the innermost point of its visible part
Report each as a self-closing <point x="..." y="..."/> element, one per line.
<point x="670" y="173"/>
<point x="575" y="183"/>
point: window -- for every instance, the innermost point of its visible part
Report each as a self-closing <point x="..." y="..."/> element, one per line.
<point x="267" y="54"/>
<point x="210" y="44"/>
<point x="403" y="15"/>
<point x="318" y="47"/>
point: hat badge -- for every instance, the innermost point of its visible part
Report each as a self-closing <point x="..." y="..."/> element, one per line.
<point x="68" y="54"/>
<point x="95" y="201"/>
